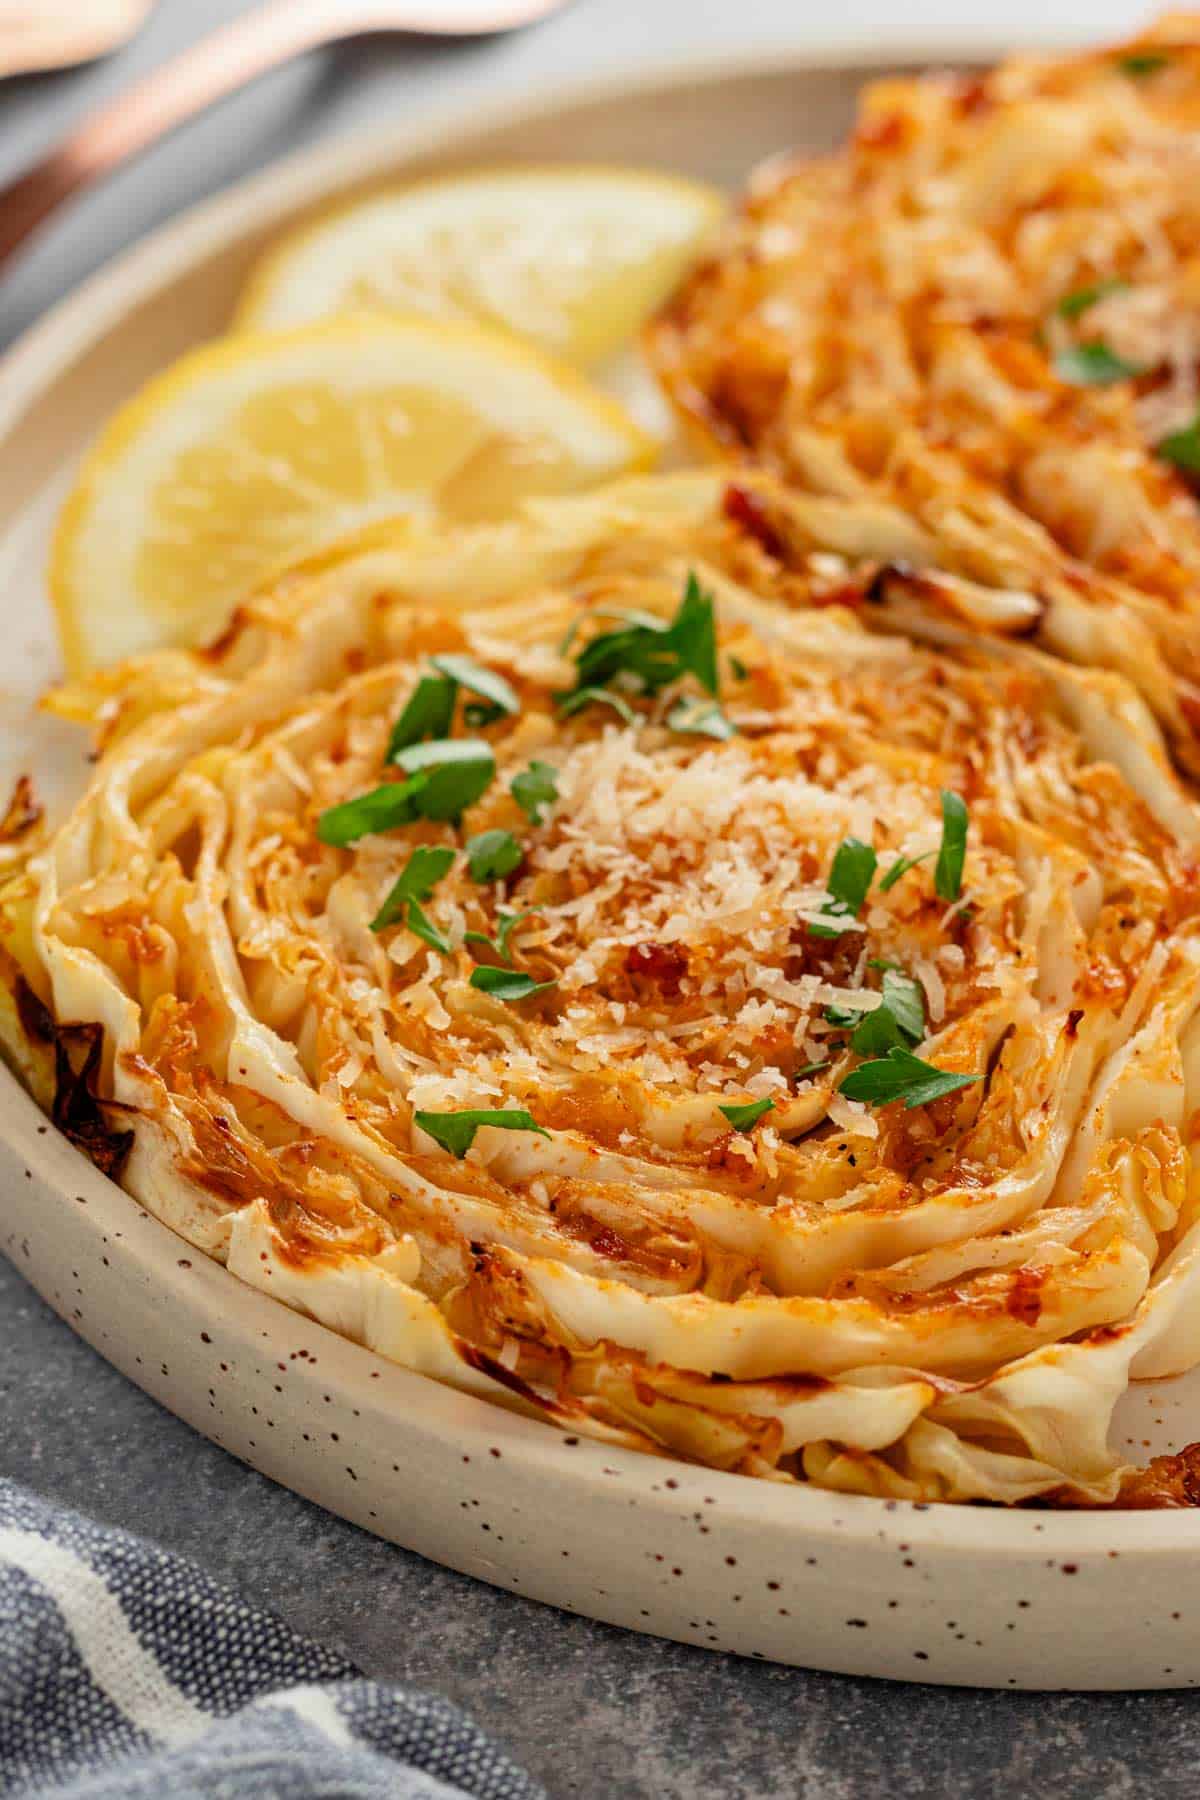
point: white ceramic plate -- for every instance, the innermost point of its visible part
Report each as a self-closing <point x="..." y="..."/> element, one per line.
<point x="945" y="1594"/>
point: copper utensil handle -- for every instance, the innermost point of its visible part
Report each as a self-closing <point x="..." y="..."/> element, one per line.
<point x="218" y="65"/>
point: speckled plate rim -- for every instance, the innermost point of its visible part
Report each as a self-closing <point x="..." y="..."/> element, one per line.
<point x="941" y="1594"/>
<point x="53" y="1199"/>
<point x="48" y="1162"/>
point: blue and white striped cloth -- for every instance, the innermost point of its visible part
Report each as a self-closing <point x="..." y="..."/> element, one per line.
<point x="126" y="1674"/>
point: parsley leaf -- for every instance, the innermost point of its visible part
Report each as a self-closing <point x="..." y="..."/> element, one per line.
<point x="507" y="924"/>
<point x="1093" y="365"/>
<point x="701" y="718"/>
<point x="901" y="1076"/>
<point x="443" y="752"/>
<point x="379" y="810"/>
<point x="422" y="926"/>
<point x="812" y="1068"/>
<point x="897" y="1022"/>
<point x="595" y="696"/>
<point x="904" y="998"/>
<point x="948" y="871"/>
<point x="430" y="709"/>
<point x="492" y="855"/>
<point x="737" y="668"/>
<point x="424" y="868"/>
<point x="1142" y="63"/>
<point x="428" y="714"/>
<point x="742" y="1117"/>
<point x="507" y="984"/>
<point x="1080" y="299"/>
<point x="900" y="867"/>
<point x="1183" y="447"/>
<point x="457" y="771"/>
<point x="628" y="615"/>
<point x="852" y="873"/>
<point x="534" y="788"/>
<point x="693" y="635"/>
<point x="850" y="878"/>
<point x="899" y="1019"/>
<point x="493" y="688"/>
<point x="636" y="650"/>
<point x="455" y="1131"/>
<point x="651" y="653"/>
<point x="445" y="777"/>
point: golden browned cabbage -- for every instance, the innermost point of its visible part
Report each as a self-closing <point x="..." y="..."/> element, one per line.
<point x="837" y="994"/>
<point x="981" y="321"/>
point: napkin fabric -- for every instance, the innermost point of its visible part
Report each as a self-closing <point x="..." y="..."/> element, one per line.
<point x="126" y="1674"/>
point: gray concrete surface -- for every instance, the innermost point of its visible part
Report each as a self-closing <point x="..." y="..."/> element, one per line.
<point x="592" y="1711"/>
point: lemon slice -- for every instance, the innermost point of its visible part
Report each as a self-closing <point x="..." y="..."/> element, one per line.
<point x="572" y="259"/>
<point x="255" y="450"/>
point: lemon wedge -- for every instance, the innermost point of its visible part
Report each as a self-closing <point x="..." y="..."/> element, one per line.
<point x="256" y="450"/>
<point x="571" y="259"/>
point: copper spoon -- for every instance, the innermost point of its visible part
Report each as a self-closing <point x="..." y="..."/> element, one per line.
<point x="55" y="34"/>
<point x="216" y="66"/>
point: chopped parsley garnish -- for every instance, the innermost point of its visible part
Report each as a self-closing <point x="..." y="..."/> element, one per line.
<point x="457" y="772"/>
<point x="899" y="1019"/>
<point x="595" y="696"/>
<point x="493" y="854"/>
<point x="850" y="877"/>
<point x="904" y="998"/>
<point x="901" y="1076"/>
<point x="1183" y="447"/>
<point x="737" y="668"/>
<point x="948" y="872"/>
<point x="492" y="688"/>
<point x="444" y="778"/>
<point x="947" y="877"/>
<point x="897" y="1022"/>
<point x="428" y="714"/>
<point x="743" y="1116"/>
<point x="422" y="926"/>
<point x="455" y="1131"/>
<point x="648" y="654"/>
<point x="1093" y="365"/>
<point x="423" y="870"/>
<point x="812" y="1068"/>
<point x="700" y="718"/>
<point x="1142" y="63"/>
<point x="507" y="984"/>
<point x="444" y="752"/>
<point x="379" y="810"/>
<point x="693" y="635"/>
<point x="627" y="615"/>
<point x="430" y="709"/>
<point x="506" y="924"/>
<point x="900" y="867"/>
<point x="1081" y="299"/>
<point x="534" y="788"/>
<point x="852" y="872"/>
